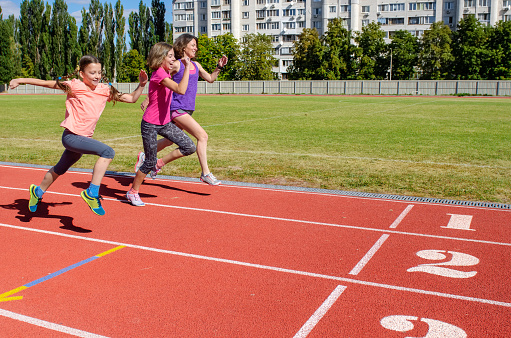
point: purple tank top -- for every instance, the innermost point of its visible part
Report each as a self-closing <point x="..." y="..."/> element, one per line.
<point x="186" y="101"/>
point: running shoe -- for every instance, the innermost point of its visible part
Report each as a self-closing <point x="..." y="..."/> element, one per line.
<point x="34" y="200"/>
<point x="94" y="203"/>
<point x="209" y="179"/>
<point x="134" y="199"/>
<point x="154" y="172"/>
<point x="140" y="160"/>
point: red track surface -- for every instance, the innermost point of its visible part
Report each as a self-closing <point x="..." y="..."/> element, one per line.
<point x="230" y="261"/>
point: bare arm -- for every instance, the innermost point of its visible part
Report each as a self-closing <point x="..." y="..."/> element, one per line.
<point x="179" y="88"/>
<point x="133" y="97"/>
<point x="36" y="82"/>
<point x="212" y="77"/>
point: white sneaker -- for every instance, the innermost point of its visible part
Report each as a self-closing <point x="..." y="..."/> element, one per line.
<point x="135" y="199"/>
<point x="154" y="172"/>
<point x="209" y="179"/>
<point x="140" y="160"/>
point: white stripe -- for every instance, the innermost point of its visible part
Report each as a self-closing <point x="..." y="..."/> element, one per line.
<point x="48" y="325"/>
<point x="265" y="267"/>
<point x="290" y="220"/>
<point x="360" y="265"/>
<point x="400" y="218"/>
<point x="320" y="312"/>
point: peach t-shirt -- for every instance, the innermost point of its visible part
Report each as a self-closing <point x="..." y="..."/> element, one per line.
<point x="84" y="107"/>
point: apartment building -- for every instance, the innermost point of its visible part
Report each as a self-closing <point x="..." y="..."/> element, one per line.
<point x="284" y="20"/>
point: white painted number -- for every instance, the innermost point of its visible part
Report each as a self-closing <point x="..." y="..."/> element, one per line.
<point x="441" y="269"/>
<point x="436" y="328"/>
<point x="459" y="222"/>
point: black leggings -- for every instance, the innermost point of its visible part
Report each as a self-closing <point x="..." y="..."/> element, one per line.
<point x="150" y="139"/>
<point x="76" y="146"/>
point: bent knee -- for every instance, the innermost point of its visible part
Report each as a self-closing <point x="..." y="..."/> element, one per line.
<point x="188" y="150"/>
<point x="108" y="153"/>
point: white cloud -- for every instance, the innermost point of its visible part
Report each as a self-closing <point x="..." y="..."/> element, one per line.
<point x="9" y="8"/>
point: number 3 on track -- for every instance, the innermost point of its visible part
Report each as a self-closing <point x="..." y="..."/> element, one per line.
<point x="444" y="269"/>
<point x="436" y="328"/>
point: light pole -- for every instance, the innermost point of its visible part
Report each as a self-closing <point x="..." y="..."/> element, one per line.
<point x="390" y="78"/>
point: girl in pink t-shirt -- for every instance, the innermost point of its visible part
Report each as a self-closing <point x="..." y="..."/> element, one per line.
<point x="85" y="102"/>
<point x="156" y="119"/>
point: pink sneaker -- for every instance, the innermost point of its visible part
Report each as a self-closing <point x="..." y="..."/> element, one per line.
<point x="134" y="199"/>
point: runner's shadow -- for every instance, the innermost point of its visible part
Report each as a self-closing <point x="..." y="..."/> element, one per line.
<point x="43" y="211"/>
<point x="106" y="191"/>
<point x="127" y="180"/>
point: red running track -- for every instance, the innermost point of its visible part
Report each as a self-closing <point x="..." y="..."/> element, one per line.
<point x="232" y="261"/>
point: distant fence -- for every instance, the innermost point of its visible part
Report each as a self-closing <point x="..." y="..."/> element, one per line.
<point x="322" y="87"/>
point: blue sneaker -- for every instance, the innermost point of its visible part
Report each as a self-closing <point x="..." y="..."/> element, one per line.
<point x="94" y="203"/>
<point x="34" y="200"/>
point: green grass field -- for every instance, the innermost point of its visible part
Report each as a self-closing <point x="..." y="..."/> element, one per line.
<point x="455" y="148"/>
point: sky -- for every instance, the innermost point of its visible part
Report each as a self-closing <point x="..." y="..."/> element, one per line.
<point x="74" y="7"/>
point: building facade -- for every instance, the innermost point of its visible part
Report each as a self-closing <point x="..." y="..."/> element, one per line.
<point x="284" y="20"/>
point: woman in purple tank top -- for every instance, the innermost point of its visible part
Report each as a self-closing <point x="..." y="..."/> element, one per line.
<point x="183" y="106"/>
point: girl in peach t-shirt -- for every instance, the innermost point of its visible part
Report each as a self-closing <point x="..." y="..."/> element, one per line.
<point x="85" y="102"/>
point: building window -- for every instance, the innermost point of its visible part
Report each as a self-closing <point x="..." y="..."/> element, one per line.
<point x="203" y="29"/>
<point x="469" y="3"/>
<point x="316" y="24"/>
<point x="366" y="9"/>
<point x="226" y="26"/>
<point x="273" y="25"/>
<point x="203" y="4"/>
<point x="365" y="23"/>
<point x="215" y="15"/>
<point x="289" y="25"/>
<point x="289" y="38"/>
<point x="245" y="15"/>
<point x="215" y="27"/>
<point x="344" y="8"/>
<point x="245" y="28"/>
<point x="245" y="3"/>
<point x="484" y="17"/>
<point x="483" y="3"/>
<point x="449" y="5"/>
<point x="261" y="26"/>
<point x="316" y="11"/>
<point x="397" y="7"/>
<point x="301" y="24"/>
<point x="272" y="12"/>
<point x="226" y="15"/>
<point x="227" y="2"/>
<point x="288" y="12"/>
<point x="286" y="51"/>
<point x="215" y="2"/>
<point x="275" y="38"/>
<point x="332" y="9"/>
<point x="261" y="14"/>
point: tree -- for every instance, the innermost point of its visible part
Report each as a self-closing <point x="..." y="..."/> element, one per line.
<point x="340" y="56"/>
<point x="108" y="48"/>
<point x="212" y="49"/>
<point x="307" y="56"/>
<point x="469" y="49"/>
<point x="497" y="64"/>
<point x="58" y="26"/>
<point x="132" y="62"/>
<point x="169" y="35"/>
<point x="257" y="58"/>
<point x="404" y="48"/>
<point x="30" y="31"/>
<point x="83" y="34"/>
<point x="45" y="64"/>
<point x="71" y="48"/>
<point x="6" y="54"/>
<point x="134" y="31"/>
<point x="158" y="11"/>
<point x="372" y="64"/>
<point x="435" y="56"/>
<point x="120" y="42"/>
<point x="96" y="17"/>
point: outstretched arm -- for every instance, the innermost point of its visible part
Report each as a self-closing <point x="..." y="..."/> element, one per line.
<point x="36" y="82"/>
<point x="133" y="97"/>
<point x="212" y="77"/>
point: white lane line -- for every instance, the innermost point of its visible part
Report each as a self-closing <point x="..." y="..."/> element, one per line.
<point x="48" y="325"/>
<point x="320" y="312"/>
<point x="266" y="267"/>
<point x="367" y="257"/>
<point x="289" y="220"/>
<point x="400" y="218"/>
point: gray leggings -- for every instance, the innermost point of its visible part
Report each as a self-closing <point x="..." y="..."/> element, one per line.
<point x="76" y="146"/>
<point x="150" y="139"/>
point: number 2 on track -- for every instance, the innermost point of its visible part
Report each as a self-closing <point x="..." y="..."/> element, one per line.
<point x="444" y="269"/>
<point x="436" y="328"/>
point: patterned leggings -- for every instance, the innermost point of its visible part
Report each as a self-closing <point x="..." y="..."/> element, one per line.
<point x="171" y="132"/>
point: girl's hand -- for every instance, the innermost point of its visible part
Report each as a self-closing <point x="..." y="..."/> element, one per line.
<point x="14" y="83"/>
<point x="223" y="61"/>
<point x="142" y="78"/>
<point x="186" y="61"/>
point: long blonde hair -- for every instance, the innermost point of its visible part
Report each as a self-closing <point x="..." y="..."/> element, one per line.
<point x="157" y="54"/>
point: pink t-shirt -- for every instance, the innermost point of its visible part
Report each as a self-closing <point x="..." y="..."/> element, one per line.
<point x="160" y="97"/>
<point x="84" y="107"/>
